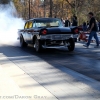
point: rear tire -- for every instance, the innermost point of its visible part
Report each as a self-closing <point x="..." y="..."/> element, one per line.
<point x="72" y="44"/>
<point x="38" y="45"/>
<point x="22" y="42"/>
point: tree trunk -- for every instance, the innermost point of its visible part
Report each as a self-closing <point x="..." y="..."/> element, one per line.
<point x="51" y="5"/>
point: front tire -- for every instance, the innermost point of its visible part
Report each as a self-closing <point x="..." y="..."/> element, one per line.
<point x="71" y="44"/>
<point x="37" y="45"/>
<point x="22" y="42"/>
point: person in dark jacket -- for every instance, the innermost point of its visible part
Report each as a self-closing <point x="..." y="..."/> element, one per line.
<point x="84" y="27"/>
<point x="67" y="22"/>
<point x="74" y="21"/>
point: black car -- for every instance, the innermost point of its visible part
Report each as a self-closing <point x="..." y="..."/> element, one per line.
<point x="47" y="33"/>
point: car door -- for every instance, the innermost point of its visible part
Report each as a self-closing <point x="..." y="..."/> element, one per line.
<point x="25" y="30"/>
<point x="29" y="31"/>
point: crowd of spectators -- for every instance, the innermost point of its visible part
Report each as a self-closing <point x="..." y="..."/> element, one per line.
<point x="74" y="22"/>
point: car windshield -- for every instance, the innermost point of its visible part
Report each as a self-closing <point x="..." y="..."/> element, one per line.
<point x="48" y="23"/>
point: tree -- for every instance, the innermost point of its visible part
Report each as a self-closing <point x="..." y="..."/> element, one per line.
<point x="51" y="5"/>
<point x="58" y="8"/>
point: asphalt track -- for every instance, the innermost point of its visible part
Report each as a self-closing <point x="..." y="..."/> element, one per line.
<point x="82" y="60"/>
<point x="52" y="65"/>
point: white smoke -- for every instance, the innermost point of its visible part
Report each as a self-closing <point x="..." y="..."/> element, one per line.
<point x="9" y="24"/>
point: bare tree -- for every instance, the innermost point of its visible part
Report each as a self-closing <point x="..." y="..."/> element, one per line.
<point x="51" y="5"/>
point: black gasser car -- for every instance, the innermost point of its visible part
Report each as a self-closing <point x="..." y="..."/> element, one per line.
<point x="47" y="33"/>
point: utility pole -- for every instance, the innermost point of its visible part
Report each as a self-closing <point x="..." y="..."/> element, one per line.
<point x="44" y="5"/>
<point x="75" y="7"/>
<point x="29" y="10"/>
<point x="51" y="5"/>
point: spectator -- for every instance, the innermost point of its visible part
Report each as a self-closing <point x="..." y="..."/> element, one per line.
<point x="92" y="30"/>
<point x="87" y="24"/>
<point x="63" y="21"/>
<point x="74" y="20"/>
<point x="67" y="22"/>
<point x="84" y="27"/>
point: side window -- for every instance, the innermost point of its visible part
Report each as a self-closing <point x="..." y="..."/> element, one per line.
<point x="26" y="25"/>
<point x="34" y="24"/>
<point x="30" y="24"/>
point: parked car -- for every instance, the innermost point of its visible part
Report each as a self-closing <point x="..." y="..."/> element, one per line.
<point x="47" y="33"/>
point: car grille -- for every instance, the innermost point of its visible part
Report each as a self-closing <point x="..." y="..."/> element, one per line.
<point x="58" y="36"/>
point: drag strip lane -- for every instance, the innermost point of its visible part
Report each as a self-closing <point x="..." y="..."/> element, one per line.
<point x="52" y="71"/>
<point x="84" y="62"/>
<point x="55" y="77"/>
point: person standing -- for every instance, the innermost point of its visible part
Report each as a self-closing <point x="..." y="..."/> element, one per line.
<point x="87" y="24"/>
<point x="74" y="20"/>
<point x="63" y="22"/>
<point x="67" y="22"/>
<point x="84" y="26"/>
<point x="92" y="30"/>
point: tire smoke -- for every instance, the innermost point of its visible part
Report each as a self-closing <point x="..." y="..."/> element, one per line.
<point x="9" y="24"/>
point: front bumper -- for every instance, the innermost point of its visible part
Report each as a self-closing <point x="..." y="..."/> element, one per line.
<point x="55" y="41"/>
<point x="56" y="37"/>
<point x="55" y="46"/>
<point x="59" y="37"/>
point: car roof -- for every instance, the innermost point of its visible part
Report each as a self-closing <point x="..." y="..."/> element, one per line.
<point x="41" y="19"/>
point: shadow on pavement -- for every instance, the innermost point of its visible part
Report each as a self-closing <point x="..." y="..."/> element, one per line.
<point x="52" y="65"/>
